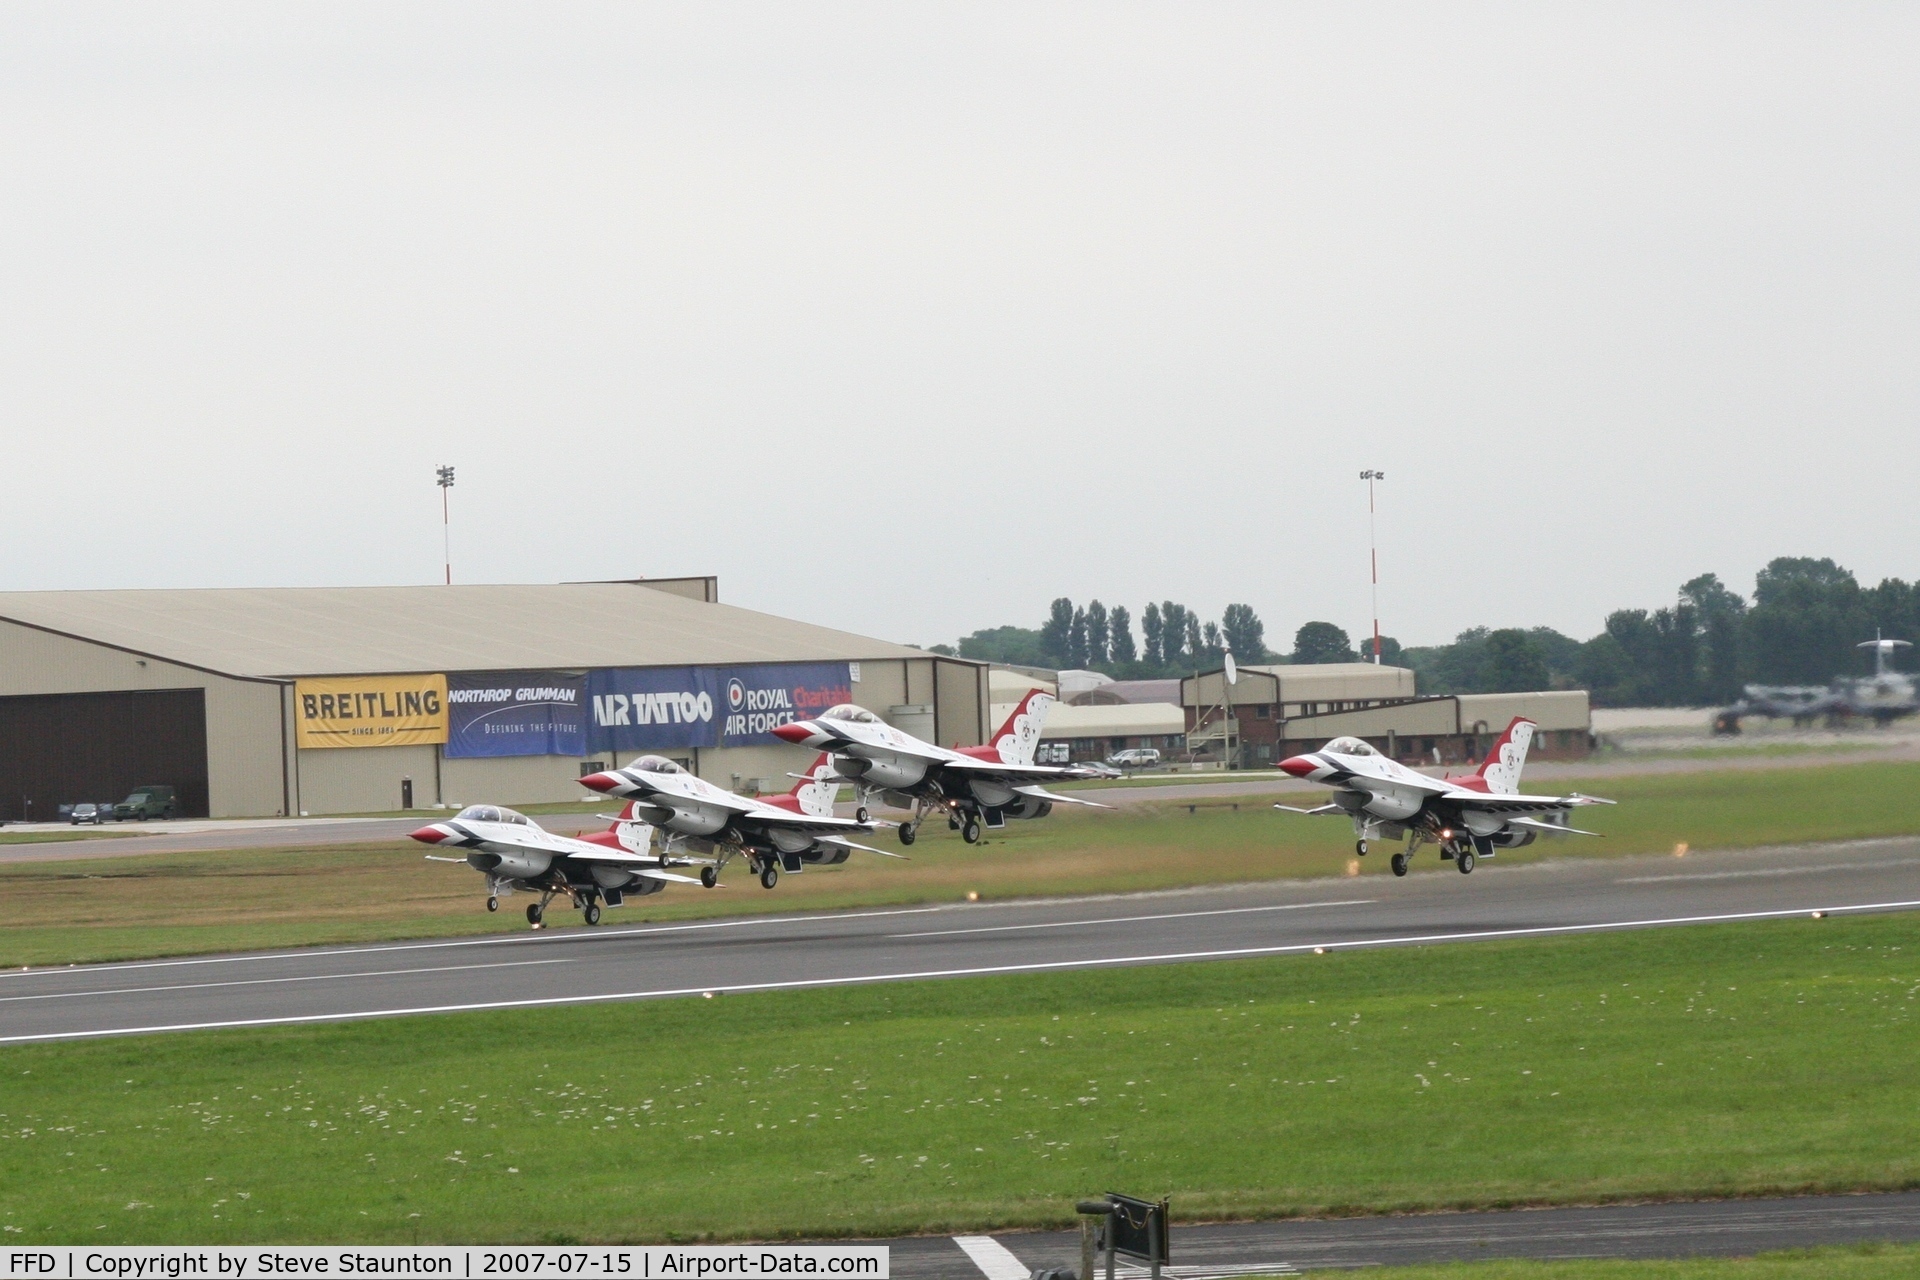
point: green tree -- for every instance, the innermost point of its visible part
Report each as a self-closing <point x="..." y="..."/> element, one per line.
<point x="1718" y="612"/>
<point x="1320" y="642"/>
<point x="1120" y="635"/>
<point x="1560" y="652"/>
<point x="1153" y="629"/>
<point x="1173" y="632"/>
<point x="1077" y="640"/>
<point x="1807" y="616"/>
<point x="1020" y="646"/>
<point x="1391" y="654"/>
<point x="1097" y="640"/>
<point x="1606" y="671"/>
<point x="1056" y="637"/>
<point x="1196" y="647"/>
<point x="1513" y="663"/>
<point x="1245" y="634"/>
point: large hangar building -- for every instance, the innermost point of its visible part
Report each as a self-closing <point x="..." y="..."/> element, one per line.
<point x="269" y="701"/>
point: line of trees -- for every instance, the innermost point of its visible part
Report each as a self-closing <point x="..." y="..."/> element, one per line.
<point x="1800" y="627"/>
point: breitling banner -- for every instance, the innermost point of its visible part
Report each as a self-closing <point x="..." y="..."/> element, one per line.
<point x="370" y="711"/>
<point x="516" y="713"/>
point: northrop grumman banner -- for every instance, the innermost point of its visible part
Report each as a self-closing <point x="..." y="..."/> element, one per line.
<point x="759" y="698"/>
<point x="652" y="708"/>
<point x="370" y="711"/>
<point x="516" y="713"/>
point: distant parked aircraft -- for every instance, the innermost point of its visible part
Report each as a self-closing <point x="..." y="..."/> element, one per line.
<point x="770" y="832"/>
<point x="1882" y="697"/>
<point x="514" y="852"/>
<point x="995" y="782"/>
<point x="1466" y="816"/>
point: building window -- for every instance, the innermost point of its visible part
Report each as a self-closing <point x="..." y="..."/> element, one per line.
<point x="1263" y="712"/>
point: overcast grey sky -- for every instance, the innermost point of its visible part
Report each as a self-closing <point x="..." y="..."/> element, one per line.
<point x="909" y="318"/>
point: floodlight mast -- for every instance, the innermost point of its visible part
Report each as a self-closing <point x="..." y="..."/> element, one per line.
<point x="1373" y="551"/>
<point x="445" y="482"/>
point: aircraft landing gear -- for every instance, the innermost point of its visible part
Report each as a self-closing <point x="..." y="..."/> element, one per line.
<point x="1399" y="864"/>
<point x="1360" y="847"/>
<point x="592" y="911"/>
<point x="709" y="877"/>
<point x="909" y="830"/>
<point x="970" y="831"/>
<point x="1464" y="861"/>
<point x="493" y="904"/>
<point x="862" y="814"/>
<point x="769" y="876"/>
<point x="534" y="913"/>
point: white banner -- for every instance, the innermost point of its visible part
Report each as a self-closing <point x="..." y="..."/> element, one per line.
<point x="461" y="1262"/>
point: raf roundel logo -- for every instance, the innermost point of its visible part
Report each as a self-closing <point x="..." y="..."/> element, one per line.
<point x="736" y="694"/>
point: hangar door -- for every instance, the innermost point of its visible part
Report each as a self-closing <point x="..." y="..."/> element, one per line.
<point x="64" y="748"/>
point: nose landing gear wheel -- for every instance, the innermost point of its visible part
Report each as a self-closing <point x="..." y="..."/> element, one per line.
<point x="971" y="831"/>
<point x="493" y="904"/>
<point x="1399" y="864"/>
<point x="592" y="913"/>
<point x="769" y="876"/>
<point x="861" y="815"/>
<point x="1464" y="861"/>
<point x="533" y="913"/>
<point x="709" y="877"/>
<point x="908" y="832"/>
<point x="1360" y="847"/>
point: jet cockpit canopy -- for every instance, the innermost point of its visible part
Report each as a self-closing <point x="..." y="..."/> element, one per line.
<point x="493" y="813"/>
<point x="1349" y="747"/>
<point x="656" y="764"/>
<point x="848" y="712"/>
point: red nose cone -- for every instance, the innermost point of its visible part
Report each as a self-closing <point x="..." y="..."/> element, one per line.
<point x="429" y="835"/>
<point x="795" y="732"/>
<point x="1298" y="766"/>
<point x="599" y="782"/>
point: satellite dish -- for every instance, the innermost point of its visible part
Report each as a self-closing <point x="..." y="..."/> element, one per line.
<point x="1233" y="672"/>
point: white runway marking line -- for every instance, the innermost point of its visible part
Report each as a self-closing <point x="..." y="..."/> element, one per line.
<point x="1169" y="915"/>
<point x="995" y="1260"/>
<point x="980" y="972"/>
<point x="304" y="977"/>
<point x="493" y="940"/>
<point x="1810" y="870"/>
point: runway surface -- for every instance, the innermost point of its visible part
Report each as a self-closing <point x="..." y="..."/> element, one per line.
<point x="1721" y="1227"/>
<point x="521" y="968"/>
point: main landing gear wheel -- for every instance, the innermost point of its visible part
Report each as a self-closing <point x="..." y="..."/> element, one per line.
<point x="709" y="877"/>
<point x="769" y="876"/>
<point x="1464" y="861"/>
<point x="1399" y="864"/>
<point x="908" y="832"/>
<point x="533" y="913"/>
<point x="592" y="913"/>
<point x="1360" y="847"/>
<point x="861" y="815"/>
<point x="493" y="904"/>
<point x="971" y="831"/>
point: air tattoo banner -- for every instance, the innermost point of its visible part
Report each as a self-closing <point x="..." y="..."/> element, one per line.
<point x="516" y="713"/>
<point x="370" y="711"/>
<point x="652" y="708"/>
<point x="759" y="698"/>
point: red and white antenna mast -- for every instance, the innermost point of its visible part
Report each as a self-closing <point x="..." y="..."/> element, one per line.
<point x="1373" y="550"/>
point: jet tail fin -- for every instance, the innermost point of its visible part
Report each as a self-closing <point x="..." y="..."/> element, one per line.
<point x="1019" y="737"/>
<point x="818" y="788"/>
<point x="1501" y="769"/>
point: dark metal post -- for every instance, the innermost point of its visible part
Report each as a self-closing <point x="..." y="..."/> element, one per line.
<point x="1156" y="1226"/>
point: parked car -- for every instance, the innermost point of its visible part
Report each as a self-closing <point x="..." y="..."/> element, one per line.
<point x="89" y="813"/>
<point x="146" y="802"/>
<point x="1134" y="758"/>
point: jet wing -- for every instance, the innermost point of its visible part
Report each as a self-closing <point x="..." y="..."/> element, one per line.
<point x="1553" y="828"/>
<point x="1498" y="802"/>
<point x="1041" y="793"/>
<point x="1037" y="772"/>
<point x="844" y="843"/>
<point x="1325" y="808"/>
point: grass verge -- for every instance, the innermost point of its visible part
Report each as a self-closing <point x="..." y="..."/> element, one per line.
<point x="160" y="904"/>
<point x="1710" y="1061"/>
<point x="1856" y="1262"/>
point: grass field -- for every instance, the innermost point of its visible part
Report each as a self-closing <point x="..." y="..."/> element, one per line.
<point x="1865" y="1262"/>
<point x="71" y="912"/>
<point x="1716" y="1060"/>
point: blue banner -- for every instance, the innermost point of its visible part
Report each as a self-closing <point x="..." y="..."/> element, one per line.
<point x="516" y="713"/>
<point x="758" y="698"/>
<point x="653" y="708"/>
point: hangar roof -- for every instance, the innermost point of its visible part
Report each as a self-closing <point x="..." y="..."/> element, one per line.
<point x="315" y="631"/>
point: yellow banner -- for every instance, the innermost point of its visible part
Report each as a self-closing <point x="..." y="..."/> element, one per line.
<point x="370" y="711"/>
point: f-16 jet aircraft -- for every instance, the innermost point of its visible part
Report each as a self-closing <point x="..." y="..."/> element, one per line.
<point x="791" y="831"/>
<point x="994" y="782"/>
<point x="513" y="852"/>
<point x="1466" y="816"/>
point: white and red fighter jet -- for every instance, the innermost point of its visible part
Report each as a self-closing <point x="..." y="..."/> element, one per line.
<point x="514" y="852"/>
<point x="993" y="782"/>
<point x="1466" y="816"/>
<point x="793" y="831"/>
